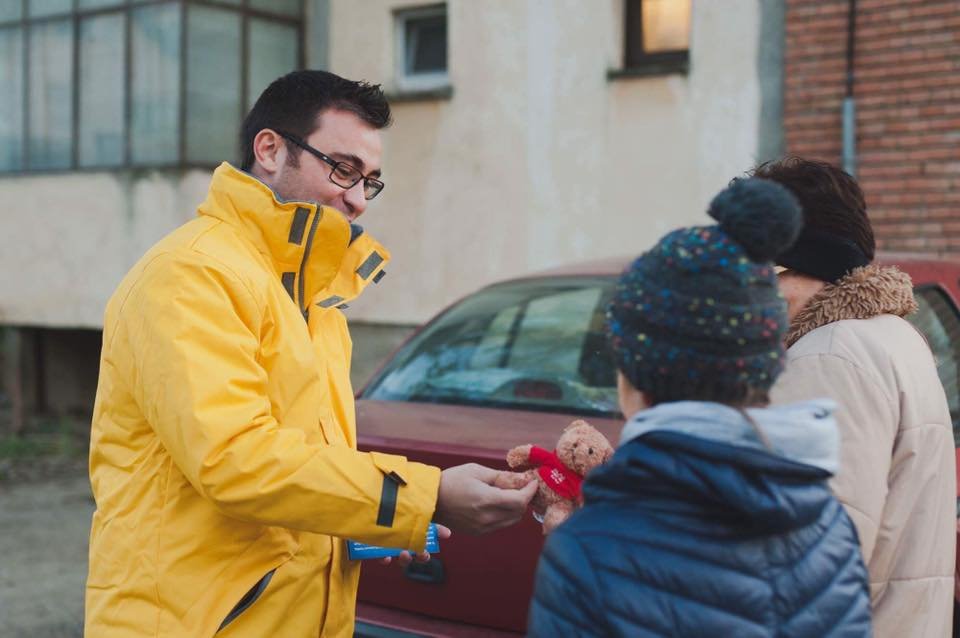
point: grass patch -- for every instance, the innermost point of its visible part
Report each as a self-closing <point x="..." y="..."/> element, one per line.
<point x="48" y="437"/>
<point x="27" y="447"/>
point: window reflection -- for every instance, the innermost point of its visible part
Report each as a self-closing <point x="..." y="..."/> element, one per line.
<point x="11" y="100"/>
<point x="42" y="8"/>
<point x="213" y="84"/>
<point x="273" y="52"/>
<point x="666" y="25"/>
<point x="533" y="344"/>
<point x="101" y="90"/>
<point x="51" y="90"/>
<point x="155" y="85"/>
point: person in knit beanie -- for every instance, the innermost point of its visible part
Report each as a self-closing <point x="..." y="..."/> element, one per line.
<point x="714" y="516"/>
<point x="700" y="316"/>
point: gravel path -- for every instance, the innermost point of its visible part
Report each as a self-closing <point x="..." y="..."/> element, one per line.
<point x="44" y="527"/>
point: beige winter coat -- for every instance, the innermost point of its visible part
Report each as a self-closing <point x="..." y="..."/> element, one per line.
<point x="897" y="475"/>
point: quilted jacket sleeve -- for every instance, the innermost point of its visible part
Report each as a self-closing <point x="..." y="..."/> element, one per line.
<point x="191" y="350"/>
<point x="565" y="601"/>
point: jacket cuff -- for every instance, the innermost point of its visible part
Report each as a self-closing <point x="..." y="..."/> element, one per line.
<point x="416" y="488"/>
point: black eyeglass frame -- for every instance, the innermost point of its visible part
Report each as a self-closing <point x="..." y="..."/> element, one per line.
<point x="334" y="165"/>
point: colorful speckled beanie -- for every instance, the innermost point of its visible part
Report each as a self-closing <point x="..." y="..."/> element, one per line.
<point x="700" y="313"/>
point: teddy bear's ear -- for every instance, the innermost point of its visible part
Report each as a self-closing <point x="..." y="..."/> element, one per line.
<point x="575" y="424"/>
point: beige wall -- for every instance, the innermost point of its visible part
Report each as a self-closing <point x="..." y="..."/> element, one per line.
<point x="68" y="239"/>
<point x="537" y="160"/>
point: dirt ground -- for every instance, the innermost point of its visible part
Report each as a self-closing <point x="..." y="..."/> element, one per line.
<point x="44" y="526"/>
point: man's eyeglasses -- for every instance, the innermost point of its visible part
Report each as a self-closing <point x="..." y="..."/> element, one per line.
<point x="342" y="174"/>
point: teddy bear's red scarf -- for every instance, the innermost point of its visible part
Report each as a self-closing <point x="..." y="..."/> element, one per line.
<point x="555" y="474"/>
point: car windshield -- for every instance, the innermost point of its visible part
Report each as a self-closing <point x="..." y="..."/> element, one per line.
<point x="535" y="344"/>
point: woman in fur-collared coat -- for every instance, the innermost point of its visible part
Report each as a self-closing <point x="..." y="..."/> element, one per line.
<point x="848" y="340"/>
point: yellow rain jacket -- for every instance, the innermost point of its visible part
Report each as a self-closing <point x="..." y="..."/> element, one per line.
<point x="223" y="452"/>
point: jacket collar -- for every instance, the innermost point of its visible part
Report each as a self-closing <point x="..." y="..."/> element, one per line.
<point x="803" y="432"/>
<point x="362" y="264"/>
<point x="864" y="293"/>
<point x="702" y="466"/>
<point x="313" y="250"/>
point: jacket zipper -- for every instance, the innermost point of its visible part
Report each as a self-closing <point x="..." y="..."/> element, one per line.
<point x="248" y="599"/>
<point x="303" y="264"/>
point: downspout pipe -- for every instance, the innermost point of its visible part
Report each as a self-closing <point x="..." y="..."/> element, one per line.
<point x="849" y="102"/>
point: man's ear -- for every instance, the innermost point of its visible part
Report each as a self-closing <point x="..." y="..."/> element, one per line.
<point x="269" y="151"/>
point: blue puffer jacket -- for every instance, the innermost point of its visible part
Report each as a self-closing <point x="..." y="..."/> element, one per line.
<point x="698" y="527"/>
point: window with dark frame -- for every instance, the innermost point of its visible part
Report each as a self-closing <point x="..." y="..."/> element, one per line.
<point x="421" y="35"/>
<point x="656" y="37"/>
<point x="101" y="84"/>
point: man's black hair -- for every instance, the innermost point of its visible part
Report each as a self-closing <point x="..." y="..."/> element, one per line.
<point x="292" y="103"/>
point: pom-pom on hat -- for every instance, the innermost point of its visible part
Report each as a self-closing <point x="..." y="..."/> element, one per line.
<point x="700" y="315"/>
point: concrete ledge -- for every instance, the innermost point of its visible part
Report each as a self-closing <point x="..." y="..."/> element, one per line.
<point x="653" y="70"/>
<point x="654" y="64"/>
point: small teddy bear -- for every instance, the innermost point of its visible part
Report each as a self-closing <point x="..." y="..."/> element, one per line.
<point x="580" y="449"/>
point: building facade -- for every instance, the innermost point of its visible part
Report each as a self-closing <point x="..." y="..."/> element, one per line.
<point x="527" y="134"/>
<point x="897" y="63"/>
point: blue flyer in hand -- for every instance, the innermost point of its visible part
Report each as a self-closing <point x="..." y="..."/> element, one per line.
<point x="361" y="551"/>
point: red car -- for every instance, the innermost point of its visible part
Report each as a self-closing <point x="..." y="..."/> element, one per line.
<point x="511" y="364"/>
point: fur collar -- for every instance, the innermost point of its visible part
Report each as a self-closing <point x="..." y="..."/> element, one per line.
<point x="866" y="292"/>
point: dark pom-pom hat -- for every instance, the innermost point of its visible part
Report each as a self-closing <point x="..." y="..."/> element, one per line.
<point x="762" y="216"/>
<point x="700" y="313"/>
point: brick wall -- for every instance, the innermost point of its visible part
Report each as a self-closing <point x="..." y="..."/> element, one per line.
<point x="907" y="90"/>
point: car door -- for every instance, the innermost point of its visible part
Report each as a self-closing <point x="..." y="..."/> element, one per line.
<point x="512" y="364"/>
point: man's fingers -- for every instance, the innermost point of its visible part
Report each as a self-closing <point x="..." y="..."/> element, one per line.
<point x="484" y="474"/>
<point x="510" y="480"/>
<point x="510" y="506"/>
<point x="404" y="558"/>
<point x="528" y="491"/>
<point x="478" y="499"/>
<point x="530" y="488"/>
<point x="443" y="532"/>
<point x="504" y="481"/>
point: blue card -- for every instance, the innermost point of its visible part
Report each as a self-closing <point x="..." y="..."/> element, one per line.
<point x="361" y="551"/>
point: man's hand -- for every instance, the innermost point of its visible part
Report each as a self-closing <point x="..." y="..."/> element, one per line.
<point x="477" y="500"/>
<point x="405" y="557"/>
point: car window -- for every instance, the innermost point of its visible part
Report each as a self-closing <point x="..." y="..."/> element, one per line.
<point x="937" y="319"/>
<point x="535" y="344"/>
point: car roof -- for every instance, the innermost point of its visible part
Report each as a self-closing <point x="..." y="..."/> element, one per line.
<point x="923" y="268"/>
<point x="615" y="265"/>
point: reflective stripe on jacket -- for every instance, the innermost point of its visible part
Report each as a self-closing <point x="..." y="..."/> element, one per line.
<point x="223" y="451"/>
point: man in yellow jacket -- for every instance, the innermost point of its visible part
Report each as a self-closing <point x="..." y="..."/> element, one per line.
<point x="223" y="450"/>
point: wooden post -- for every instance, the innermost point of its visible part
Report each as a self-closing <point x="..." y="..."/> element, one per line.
<point x="13" y="376"/>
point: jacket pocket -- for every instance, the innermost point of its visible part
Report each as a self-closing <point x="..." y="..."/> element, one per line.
<point x="248" y="599"/>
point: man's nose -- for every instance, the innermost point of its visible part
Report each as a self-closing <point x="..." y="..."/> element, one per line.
<point x="354" y="199"/>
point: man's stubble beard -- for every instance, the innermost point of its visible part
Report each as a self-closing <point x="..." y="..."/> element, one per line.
<point x="290" y="187"/>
